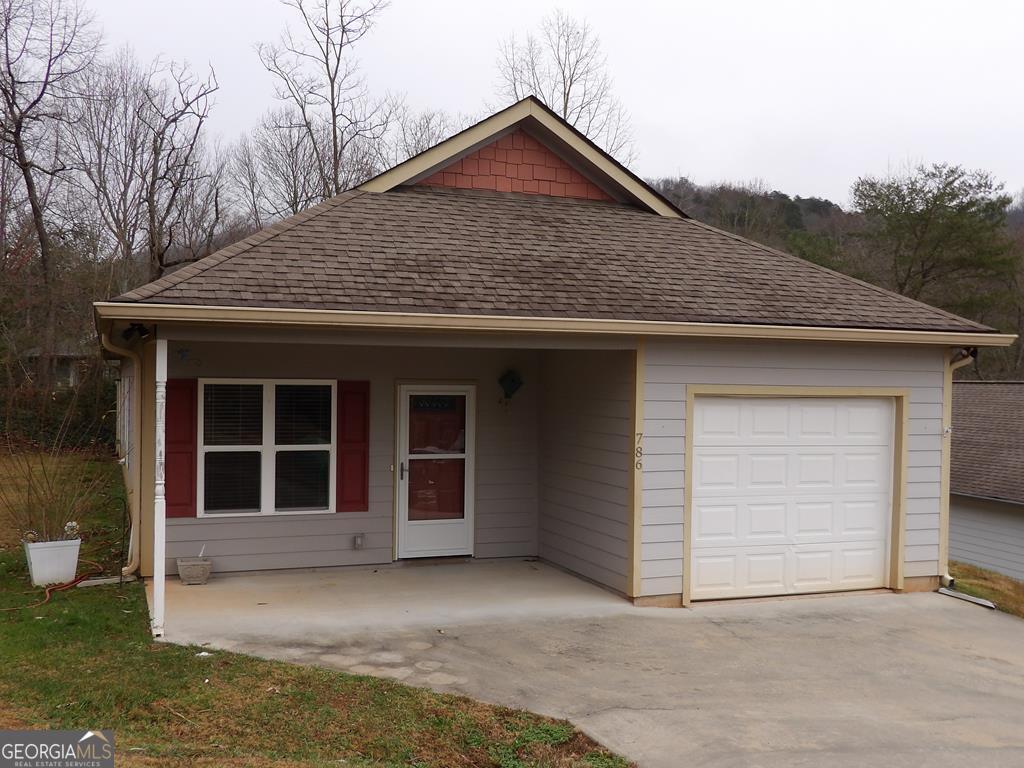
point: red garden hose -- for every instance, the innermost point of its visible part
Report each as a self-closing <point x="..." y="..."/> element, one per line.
<point x="96" y="569"/>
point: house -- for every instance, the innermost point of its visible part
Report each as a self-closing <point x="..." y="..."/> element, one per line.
<point x="68" y="361"/>
<point x="511" y="346"/>
<point x="986" y="525"/>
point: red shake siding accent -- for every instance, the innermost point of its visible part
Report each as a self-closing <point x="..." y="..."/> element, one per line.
<point x="517" y="162"/>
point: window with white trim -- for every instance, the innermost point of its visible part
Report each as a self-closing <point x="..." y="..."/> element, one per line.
<point x="266" y="446"/>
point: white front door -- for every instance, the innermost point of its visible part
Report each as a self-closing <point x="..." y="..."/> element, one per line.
<point x="790" y="495"/>
<point x="435" y="470"/>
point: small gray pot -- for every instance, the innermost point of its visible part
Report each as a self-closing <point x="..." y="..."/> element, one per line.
<point x="194" y="570"/>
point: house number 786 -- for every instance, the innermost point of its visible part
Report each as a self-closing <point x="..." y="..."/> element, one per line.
<point x="638" y="451"/>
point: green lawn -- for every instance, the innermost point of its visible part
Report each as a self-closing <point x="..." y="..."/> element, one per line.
<point x="1006" y="593"/>
<point x="86" y="660"/>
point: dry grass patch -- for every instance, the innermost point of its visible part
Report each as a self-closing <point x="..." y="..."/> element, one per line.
<point x="100" y="514"/>
<point x="15" y="483"/>
<point x="1006" y="593"/>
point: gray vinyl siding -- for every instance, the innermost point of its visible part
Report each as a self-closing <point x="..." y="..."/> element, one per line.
<point x="672" y="365"/>
<point x="989" y="534"/>
<point x="586" y="423"/>
<point x="506" y="454"/>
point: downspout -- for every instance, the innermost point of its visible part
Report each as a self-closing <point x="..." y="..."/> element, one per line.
<point x="955" y="359"/>
<point x="135" y="485"/>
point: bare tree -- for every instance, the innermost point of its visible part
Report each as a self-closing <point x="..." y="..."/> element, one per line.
<point x="414" y="131"/>
<point x="317" y="77"/>
<point x="44" y="46"/>
<point x="138" y="143"/>
<point x="176" y="110"/>
<point x="245" y="180"/>
<point x="565" y="68"/>
<point x="202" y="209"/>
<point x="110" y="146"/>
<point x="15" y="225"/>
<point x="274" y="170"/>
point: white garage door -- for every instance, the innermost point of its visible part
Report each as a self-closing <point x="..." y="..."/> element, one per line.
<point x="790" y="495"/>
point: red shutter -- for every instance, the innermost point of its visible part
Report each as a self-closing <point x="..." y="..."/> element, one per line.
<point x="180" y="464"/>
<point x="353" y="446"/>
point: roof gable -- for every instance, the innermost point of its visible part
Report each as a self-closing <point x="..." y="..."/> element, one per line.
<point x="517" y="162"/>
<point x="532" y="118"/>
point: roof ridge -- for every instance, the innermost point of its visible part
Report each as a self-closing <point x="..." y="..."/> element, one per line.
<point x="155" y="287"/>
<point x="877" y="288"/>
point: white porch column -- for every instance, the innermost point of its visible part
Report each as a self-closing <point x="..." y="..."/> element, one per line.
<point x="159" y="498"/>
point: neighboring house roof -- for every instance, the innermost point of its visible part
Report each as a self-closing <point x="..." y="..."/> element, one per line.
<point x="407" y="243"/>
<point x="65" y="350"/>
<point x="988" y="440"/>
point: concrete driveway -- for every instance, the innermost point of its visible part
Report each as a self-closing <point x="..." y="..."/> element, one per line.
<point x="854" y="680"/>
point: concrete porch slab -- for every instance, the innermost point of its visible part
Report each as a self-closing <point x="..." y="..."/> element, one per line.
<point x="324" y="604"/>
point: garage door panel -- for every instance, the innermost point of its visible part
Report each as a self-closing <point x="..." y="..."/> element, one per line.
<point x="781" y="519"/>
<point x="768" y="421"/>
<point x="765" y="570"/>
<point x="816" y="421"/>
<point x="866" y="469"/>
<point x="717" y="421"/>
<point x="765" y="521"/>
<point x="813" y="569"/>
<point x="814" y="519"/>
<point x="716" y="472"/>
<point x="714" y="572"/>
<point x="861" y="564"/>
<point x="815" y="470"/>
<point x="867" y="423"/>
<point x="739" y="572"/>
<point x="864" y="517"/>
<point x="790" y="495"/>
<point x="716" y="525"/>
<point x="792" y="469"/>
<point x="827" y="421"/>
<point x="764" y="471"/>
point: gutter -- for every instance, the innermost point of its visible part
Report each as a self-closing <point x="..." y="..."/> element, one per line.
<point x="424" y="321"/>
<point x="135" y="485"/>
<point x="957" y="359"/>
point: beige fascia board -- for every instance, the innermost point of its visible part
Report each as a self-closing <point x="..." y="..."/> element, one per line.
<point x="419" y="321"/>
<point x="486" y="130"/>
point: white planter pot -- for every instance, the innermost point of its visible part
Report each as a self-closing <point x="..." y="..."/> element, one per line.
<point x="52" y="562"/>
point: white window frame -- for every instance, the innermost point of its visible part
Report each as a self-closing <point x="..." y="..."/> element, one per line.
<point x="268" y="450"/>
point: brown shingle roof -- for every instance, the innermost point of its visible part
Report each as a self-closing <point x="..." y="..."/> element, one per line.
<point x="419" y="249"/>
<point x="988" y="440"/>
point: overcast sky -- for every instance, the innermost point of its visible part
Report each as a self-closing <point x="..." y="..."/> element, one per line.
<point x="805" y="96"/>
